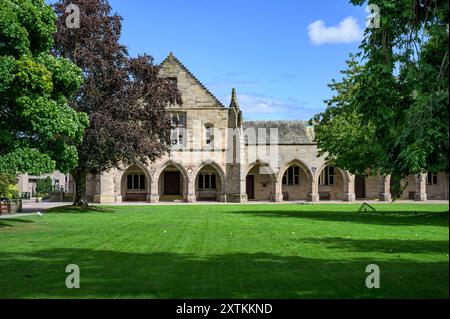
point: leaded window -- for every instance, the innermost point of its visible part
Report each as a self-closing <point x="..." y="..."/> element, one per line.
<point x="327" y="176"/>
<point x="207" y="181"/>
<point x="292" y="176"/>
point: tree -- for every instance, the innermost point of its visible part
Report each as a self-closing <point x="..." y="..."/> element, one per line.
<point x="397" y="108"/>
<point x="38" y="130"/>
<point x="342" y="135"/>
<point x="124" y="97"/>
<point x="44" y="185"/>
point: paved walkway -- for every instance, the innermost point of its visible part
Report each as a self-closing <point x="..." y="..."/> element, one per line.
<point x="30" y="207"/>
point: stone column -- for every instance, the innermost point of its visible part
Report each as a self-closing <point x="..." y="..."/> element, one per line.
<point x="314" y="195"/>
<point x="104" y="192"/>
<point x="242" y="196"/>
<point x="421" y="187"/>
<point x="190" y="196"/>
<point x="277" y="196"/>
<point x="385" y="188"/>
<point x="349" y="189"/>
<point x="153" y="197"/>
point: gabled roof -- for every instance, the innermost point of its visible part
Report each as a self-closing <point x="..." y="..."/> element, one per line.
<point x="172" y="58"/>
<point x="289" y="132"/>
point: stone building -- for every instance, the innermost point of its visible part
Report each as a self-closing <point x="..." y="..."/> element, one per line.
<point x="217" y="156"/>
<point x="28" y="183"/>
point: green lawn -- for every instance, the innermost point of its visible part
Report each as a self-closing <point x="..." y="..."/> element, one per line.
<point x="228" y="251"/>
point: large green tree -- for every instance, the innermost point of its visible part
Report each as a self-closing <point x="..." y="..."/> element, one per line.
<point x="390" y="114"/>
<point x="38" y="129"/>
<point x="124" y="97"/>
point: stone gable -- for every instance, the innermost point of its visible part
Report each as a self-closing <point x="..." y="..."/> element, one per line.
<point x="193" y="92"/>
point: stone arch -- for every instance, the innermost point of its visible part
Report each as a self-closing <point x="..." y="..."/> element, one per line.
<point x="261" y="181"/>
<point x="262" y="164"/>
<point x="171" y="165"/>
<point x="135" y="194"/>
<point x="300" y="163"/>
<point x="345" y="174"/>
<point x="341" y="186"/>
<point x="301" y="190"/>
<point x="220" y="190"/>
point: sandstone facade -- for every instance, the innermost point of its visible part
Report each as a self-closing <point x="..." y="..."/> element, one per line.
<point x="217" y="156"/>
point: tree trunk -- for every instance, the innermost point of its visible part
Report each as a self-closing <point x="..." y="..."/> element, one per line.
<point x="80" y="188"/>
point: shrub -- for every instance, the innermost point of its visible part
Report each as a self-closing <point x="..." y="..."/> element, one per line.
<point x="8" y="188"/>
<point x="44" y="186"/>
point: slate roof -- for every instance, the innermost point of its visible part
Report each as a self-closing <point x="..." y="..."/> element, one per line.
<point x="289" y="132"/>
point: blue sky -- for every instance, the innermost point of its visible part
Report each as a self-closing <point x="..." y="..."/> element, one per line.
<point x="278" y="54"/>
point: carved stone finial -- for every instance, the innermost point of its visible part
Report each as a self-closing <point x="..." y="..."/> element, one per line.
<point x="234" y="102"/>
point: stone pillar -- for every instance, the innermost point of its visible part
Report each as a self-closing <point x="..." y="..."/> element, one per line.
<point x="385" y="188"/>
<point x="421" y="187"/>
<point x="190" y="196"/>
<point x="153" y="197"/>
<point x="314" y="195"/>
<point x="277" y="196"/>
<point x="349" y="189"/>
<point x="242" y="196"/>
<point x="104" y="192"/>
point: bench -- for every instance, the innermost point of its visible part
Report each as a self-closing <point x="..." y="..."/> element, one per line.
<point x="324" y="196"/>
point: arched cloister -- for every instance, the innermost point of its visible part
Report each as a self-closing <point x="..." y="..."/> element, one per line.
<point x="334" y="183"/>
<point x="261" y="182"/>
<point x="210" y="182"/>
<point x="172" y="183"/>
<point x="295" y="179"/>
<point x="135" y="183"/>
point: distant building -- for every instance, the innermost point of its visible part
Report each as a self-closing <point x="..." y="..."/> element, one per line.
<point x="27" y="183"/>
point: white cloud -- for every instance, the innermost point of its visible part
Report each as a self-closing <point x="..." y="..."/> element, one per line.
<point x="260" y="104"/>
<point x="347" y="31"/>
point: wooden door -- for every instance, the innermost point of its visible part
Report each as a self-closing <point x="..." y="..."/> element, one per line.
<point x="360" y="187"/>
<point x="172" y="183"/>
<point x="250" y="186"/>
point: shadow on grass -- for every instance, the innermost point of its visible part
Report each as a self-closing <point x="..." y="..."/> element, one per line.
<point x="400" y="218"/>
<point x="110" y="274"/>
<point x="4" y="222"/>
<point x="79" y="210"/>
<point x="389" y="246"/>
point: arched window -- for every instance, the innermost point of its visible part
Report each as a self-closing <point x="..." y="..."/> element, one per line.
<point x="207" y="181"/>
<point x="136" y="182"/>
<point x="292" y="176"/>
<point x="327" y="176"/>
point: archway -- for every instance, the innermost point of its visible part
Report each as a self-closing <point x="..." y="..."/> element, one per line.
<point x="332" y="183"/>
<point x="172" y="183"/>
<point x="209" y="183"/>
<point x="260" y="182"/>
<point x="296" y="181"/>
<point x="135" y="184"/>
